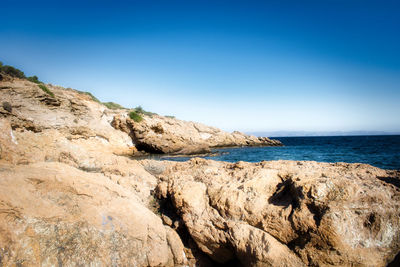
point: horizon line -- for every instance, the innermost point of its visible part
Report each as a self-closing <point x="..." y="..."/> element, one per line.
<point x="321" y="133"/>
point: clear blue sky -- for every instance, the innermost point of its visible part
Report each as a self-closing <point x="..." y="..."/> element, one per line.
<point x="247" y="65"/>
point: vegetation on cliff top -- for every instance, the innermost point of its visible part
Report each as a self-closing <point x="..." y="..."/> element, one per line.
<point x="34" y="79"/>
<point x="46" y="90"/>
<point x="140" y="110"/>
<point x="91" y="96"/>
<point x="135" y="116"/>
<point x="10" y="70"/>
<point x="14" y="72"/>
<point x="112" y="105"/>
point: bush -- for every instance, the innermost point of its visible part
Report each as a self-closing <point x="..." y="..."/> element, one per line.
<point x="171" y="117"/>
<point x="34" y="79"/>
<point x="46" y="90"/>
<point x="14" y="72"/>
<point x="135" y="116"/>
<point x="140" y="110"/>
<point x="112" y="105"/>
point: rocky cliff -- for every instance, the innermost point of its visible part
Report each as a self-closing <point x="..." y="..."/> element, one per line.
<point x="158" y="134"/>
<point x="70" y="195"/>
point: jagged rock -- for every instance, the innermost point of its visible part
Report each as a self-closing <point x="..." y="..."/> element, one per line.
<point x="287" y="214"/>
<point x="50" y="101"/>
<point x="157" y="134"/>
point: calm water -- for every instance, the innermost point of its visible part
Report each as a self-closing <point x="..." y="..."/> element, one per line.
<point x="379" y="151"/>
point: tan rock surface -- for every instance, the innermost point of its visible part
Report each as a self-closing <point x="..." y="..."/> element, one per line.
<point x="66" y="196"/>
<point x="158" y="134"/>
<point x="310" y="213"/>
<point x="53" y="214"/>
<point x="76" y="118"/>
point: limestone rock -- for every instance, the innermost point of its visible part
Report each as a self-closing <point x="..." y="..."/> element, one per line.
<point x="255" y="247"/>
<point x="157" y="134"/>
<point x="53" y="214"/>
<point x="8" y="142"/>
<point x="285" y="213"/>
<point x="66" y="197"/>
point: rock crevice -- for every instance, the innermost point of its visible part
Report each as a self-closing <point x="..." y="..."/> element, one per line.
<point x="306" y="217"/>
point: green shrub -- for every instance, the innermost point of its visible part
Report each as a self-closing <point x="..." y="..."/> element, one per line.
<point x="135" y="116"/>
<point x="112" y="105"/>
<point x="34" y="79"/>
<point x="171" y="117"/>
<point x="46" y="90"/>
<point x="14" y="72"/>
<point x="140" y="110"/>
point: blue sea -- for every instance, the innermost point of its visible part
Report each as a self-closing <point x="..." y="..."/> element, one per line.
<point x="380" y="151"/>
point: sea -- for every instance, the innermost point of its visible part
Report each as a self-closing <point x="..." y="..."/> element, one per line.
<point x="381" y="151"/>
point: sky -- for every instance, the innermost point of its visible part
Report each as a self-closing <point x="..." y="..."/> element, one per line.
<point x="331" y="65"/>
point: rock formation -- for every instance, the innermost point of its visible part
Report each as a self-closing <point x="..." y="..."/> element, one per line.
<point x="67" y="197"/>
<point x="71" y="196"/>
<point x="286" y="213"/>
<point x="158" y="134"/>
<point x="52" y="214"/>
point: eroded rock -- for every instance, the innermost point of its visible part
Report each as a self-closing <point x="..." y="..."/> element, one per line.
<point x="311" y="213"/>
<point x="56" y="215"/>
<point x="164" y="135"/>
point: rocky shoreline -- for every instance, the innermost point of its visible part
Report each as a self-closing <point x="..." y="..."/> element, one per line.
<point x="163" y="135"/>
<point x="71" y="195"/>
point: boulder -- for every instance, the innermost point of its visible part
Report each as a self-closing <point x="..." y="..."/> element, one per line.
<point x="286" y="213"/>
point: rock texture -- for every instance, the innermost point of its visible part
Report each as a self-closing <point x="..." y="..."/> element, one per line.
<point x="67" y="196"/>
<point x="52" y="214"/>
<point x="70" y="196"/>
<point x="165" y="135"/>
<point x="286" y="213"/>
<point x="75" y="123"/>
